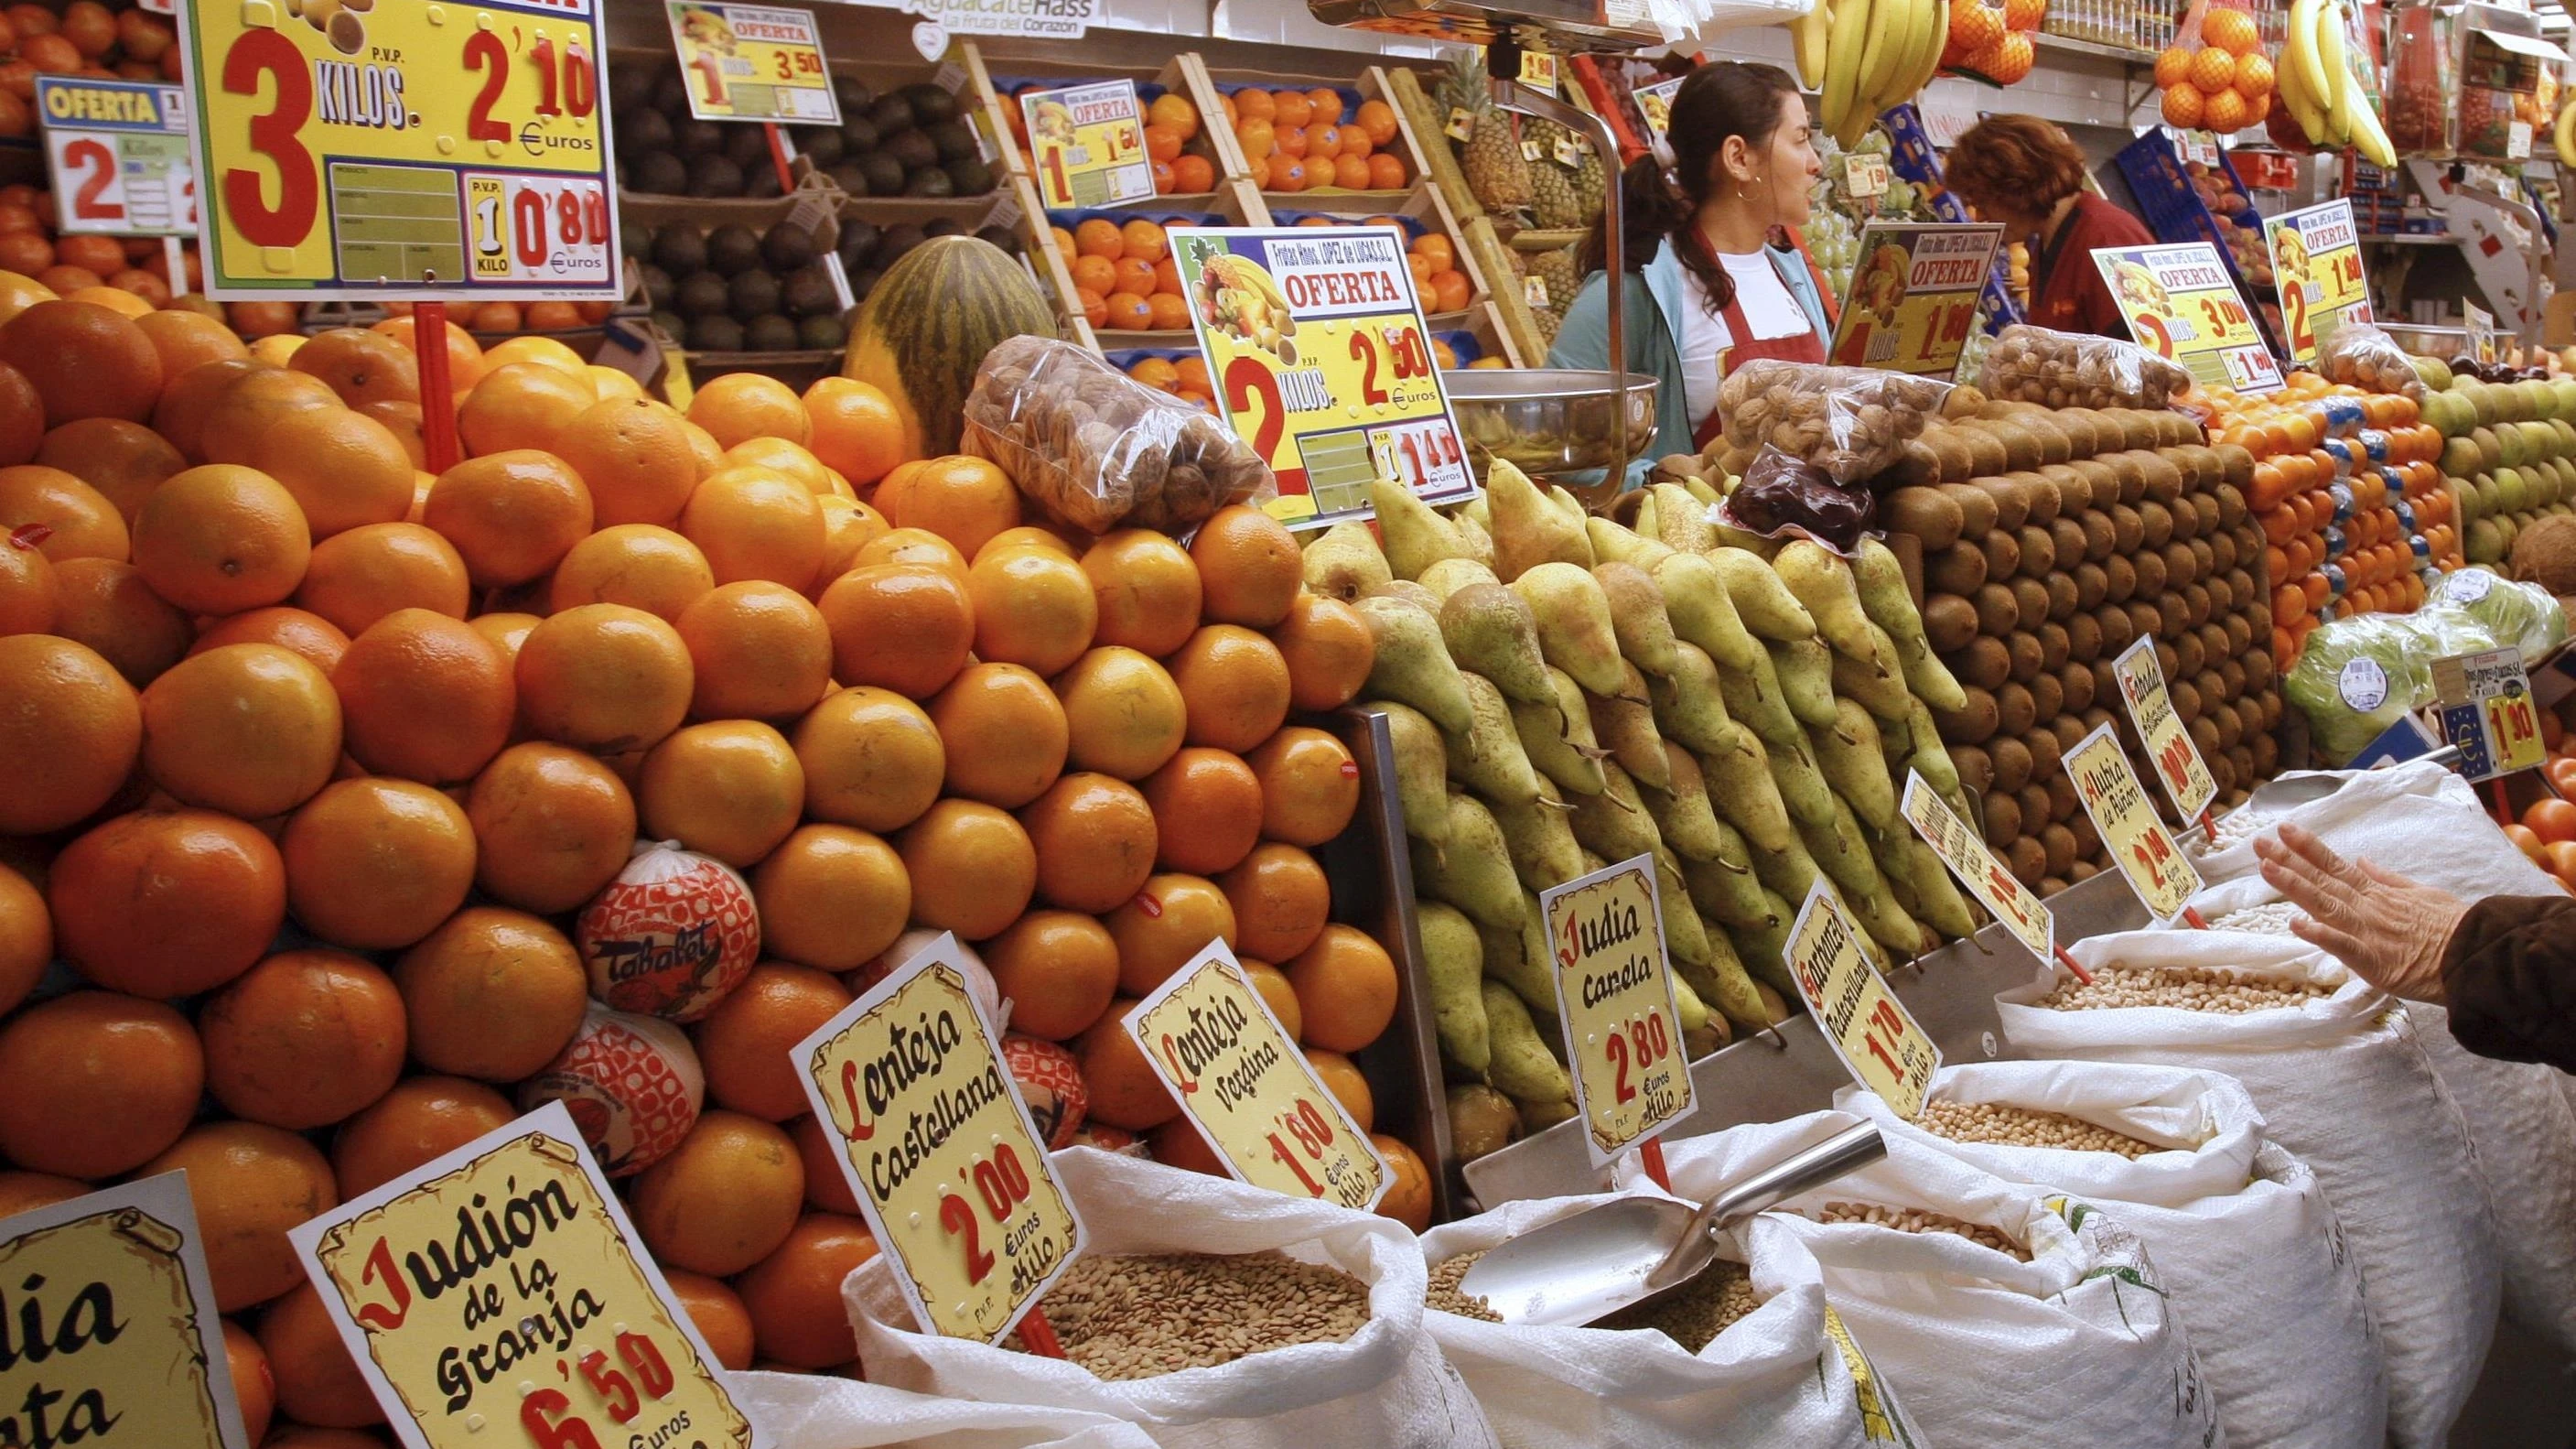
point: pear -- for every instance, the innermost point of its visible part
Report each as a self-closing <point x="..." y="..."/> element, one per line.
<point x="1823" y="583"/>
<point x="1614" y="824"/>
<point x="1685" y="938"/>
<point x="1755" y="697"/>
<point x="1540" y="835"/>
<point x="1744" y="793"/>
<point x="1725" y="886"/>
<point x="1521" y="1066"/>
<point x="1890" y="605"/>
<point x="1474" y="511"/>
<point x="1474" y="870"/>
<point x="1789" y="873"/>
<point x="1452" y="574"/>
<point x="1713" y="971"/>
<point x="1931" y="759"/>
<point x="1625" y="725"/>
<point x="1471" y="532"/>
<point x="1692" y="1013"/>
<point x="1763" y="948"/>
<point x="1574" y="629"/>
<point x="1528" y="528"/>
<point x="1743" y="541"/>
<point x="1487" y="758"/>
<point x="1481" y="1120"/>
<point x="1681" y="520"/>
<point x="1569" y="505"/>
<point x="1701" y="611"/>
<point x="1637" y="617"/>
<point x="1345" y="563"/>
<point x="1412" y="665"/>
<point x="1453" y="963"/>
<point x="1876" y="679"/>
<point x="1539" y="1116"/>
<point x="1682" y="813"/>
<point x="1413" y="537"/>
<point x="1491" y="631"/>
<point x="1842" y="852"/>
<point x="1764" y="603"/>
<point x="1641" y="513"/>
<point x="1848" y="753"/>
<point x="1904" y="858"/>
<point x="1689" y="704"/>
<point x="1411" y="592"/>
<point x="1557" y="737"/>
<point x="1516" y="955"/>
<point x="1612" y="542"/>
<point x="1705" y="491"/>
<point x="1805" y="670"/>
<point x="1802" y="785"/>
<point x="1421" y="771"/>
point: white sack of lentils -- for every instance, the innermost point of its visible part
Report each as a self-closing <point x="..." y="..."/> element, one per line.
<point x="2343" y="1082"/>
<point x="1776" y="1378"/>
<point x="817" y="1411"/>
<point x="2073" y="1346"/>
<point x="2240" y="1228"/>
<point x="1386" y="1385"/>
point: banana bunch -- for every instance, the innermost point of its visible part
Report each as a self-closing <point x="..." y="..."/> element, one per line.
<point x="1864" y="56"/>
<point x="2565" y="133"/>
<point x="2317" y="84"/>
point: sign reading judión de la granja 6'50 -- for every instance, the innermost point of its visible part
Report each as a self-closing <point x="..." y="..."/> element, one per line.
<point x="373" y="148"/>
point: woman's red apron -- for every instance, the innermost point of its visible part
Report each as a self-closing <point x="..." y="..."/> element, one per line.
<point x="1798" y="347"/>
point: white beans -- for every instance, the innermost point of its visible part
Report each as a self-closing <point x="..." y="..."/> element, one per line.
<point x="2265" y="920"/>
<point x="2025" y="1127"/>
<point x="2191" y="988"/>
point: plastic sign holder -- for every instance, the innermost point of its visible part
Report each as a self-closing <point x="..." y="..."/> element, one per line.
<point x="2316" y="267"/>
<point x="1614" y="993"/>
<point x="2181" y="303"/>
<point x="1914" y="294"/>
<point x="1873" y="1033"/>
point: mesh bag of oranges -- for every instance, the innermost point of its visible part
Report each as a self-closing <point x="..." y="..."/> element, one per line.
<point x="2215" y="76"/>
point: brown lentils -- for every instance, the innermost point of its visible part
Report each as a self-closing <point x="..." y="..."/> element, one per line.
<point x="1135" y="1316"/>
<point x="1919" y="1220"/>
<point x="1445" y="1296"/>
<point x="1694" y="1314"/>
<point x="2191" y="988"/>
<point x="2025" y="1127"/>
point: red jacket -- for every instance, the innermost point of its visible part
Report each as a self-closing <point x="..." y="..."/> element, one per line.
<point x="2067" y="293"/>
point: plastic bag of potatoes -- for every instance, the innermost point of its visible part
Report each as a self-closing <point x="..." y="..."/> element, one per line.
<point x="2070" y="370"/>
<point x="1848" y="421"/>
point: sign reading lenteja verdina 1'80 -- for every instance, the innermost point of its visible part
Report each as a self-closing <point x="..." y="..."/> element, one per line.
<point x="402" y="149"/>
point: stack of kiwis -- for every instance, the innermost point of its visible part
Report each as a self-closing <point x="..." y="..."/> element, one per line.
<point x="913" y="141"/>
<point x="2051" y="540"/>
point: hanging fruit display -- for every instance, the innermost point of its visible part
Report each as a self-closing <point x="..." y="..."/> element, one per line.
<point x="1990" y="41"/>
<point x="2320" y="89"/>
<point x="2216" y="78"/>
<point x="1867" y="55"/>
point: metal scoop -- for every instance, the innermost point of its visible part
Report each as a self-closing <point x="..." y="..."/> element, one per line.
<point x="1585" y="1267"/>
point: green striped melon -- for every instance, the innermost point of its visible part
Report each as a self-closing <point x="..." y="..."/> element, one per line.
<point x="927" y="325"/>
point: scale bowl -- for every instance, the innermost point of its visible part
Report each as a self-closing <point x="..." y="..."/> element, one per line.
<point x="1546" y="420"/>
<point x="2442" y="342"/>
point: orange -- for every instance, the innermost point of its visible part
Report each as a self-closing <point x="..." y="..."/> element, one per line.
<point x="906" y="627"/>
<point x="724" y="1199"/>
<point x="1174" y="112"/>
<point x="794" y="1294"/>
<point x="123" y="461"/>
<point x="1386" y="172"/>
<point x="86" y="361"/>
<point x="318" y="1383"/>
<point x="188" y="401"/>
<point x="1134" y="274"/>
<point x="848" y="527"/>
<point x="1096" y="274"/>
<point x="1004" y="733"/>
<point x="1346" y="1083"/>
<point x="420" y="1119"/>
<point x="1033" y="608"/>
<point x="1125" y="1092"/>
<point x="1027" y="535"/>
<point x="1095" y="307"/>
<point x="1193" y="174"/>
<point x="2552" y="820"/>
<point x="1234" y="685"/>
<point x="1058" y="969"/>
<point x="1249" y="566"/>
<point x="827" y="1185"/>
<point x="361" y="366"/>
<point x="465" y="364"/>
<point x="551" y="827"/>
<point x="63" y="517"/>
<point x="166" y="902"/>
<point x="2562" y="860"/>
<point x="344" y="468"/>
<point x="1129" y="312"/>
<point x="1254" y="104"/>
<point x="1408" y="1198"/>
<point x="1098" y="238"/>
<point x="778" y="456"/>
<point x="1177" y="1143"/>
<point x="251" y="1183"/>
<point x="963" y="500"/>
<point x="1095" y="839"/>
<point x="1276" y="994"/>
<point x="854" y="429"/>
<point x="427" y="697"/>
<point x="26" y="938"/>
<point x="1124" y="715"/>
<point x="747" y="1044"/>
<point x="871" y="757"/>
<point x="1280" y="899"/>
<point x="972" y="868"/>
<point x="831" y="897"/>
<point x="1145" y="591"/>
<point x="641" y="565"/>
<point x="634" y="456"/>
<point x="243" y="411"/>
<point x="30" y="595"/>
<point x="184" y="339"/>
<point x="254" y="1388"/>
<point x="1346" y="987"/>
<point x="248" y="729"/>
<point x="716" y="1313"/>
<point x="740" y="406"/>
<point x="605" y="678"/>
<point x="756" y="523"/>
<point x="360" y="576"/>
<point x="1377" y="120"/>
<point x="303" y="1039"/>
<point x="521" y="405"/>
<point x="220" y="539"/>
<point x="511" y="515"/>
<point x="731" y="789"/>
<point x="1167" y="313"/>
<point x="95" y="1083"/>
<point x="1207" y="810"/>
<point x="71" y="710"/>
<point x="760" y="651"/>
<point x="506" y="632"/>
<point x="546" y="351"/>
<point x="1171" y="919"/>
<point x="912" y="546"/>
<point x="1309" y="786"/>
<point x="492" y="994"/>
<point x="1328" y="649"/>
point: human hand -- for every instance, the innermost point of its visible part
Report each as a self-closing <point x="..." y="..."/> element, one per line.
<point x="2386" y="928"/>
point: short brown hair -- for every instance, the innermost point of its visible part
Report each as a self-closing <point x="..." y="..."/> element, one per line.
<point x="2017" y="164"/>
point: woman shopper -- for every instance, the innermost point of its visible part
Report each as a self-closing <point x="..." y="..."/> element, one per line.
<point x="2024" y="172"/>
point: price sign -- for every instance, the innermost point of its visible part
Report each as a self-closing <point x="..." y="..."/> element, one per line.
<point x="752" y="63"/>
<point x="948" y="1168"/>
<point x="2316" y="266"/>
<point x="2181" y="304"/>
<point x="456" y="151"/>
<point x="118" y="153"/>
<point x="2480" y="325"/>
<point x="1914" y="295"/>
<point x="1243" y="1084"/>
<point x="1870" y="1029"/>
<point x="1865" y="175"/>
<point x="1539" y="71"/>
<point x="1089" y="143"/>
<point x="108" y="1330"/>
<point x="1960" y="849"/>
<point x="1614" y="992"/>
<point x="503" y="1285"/>
<point x="1322" y="362"/>
<point x="2487" y="710"/>
<point x="1655" y="103"/>
<point x="2158" y="871"/>
<point x="2179" y="767"/>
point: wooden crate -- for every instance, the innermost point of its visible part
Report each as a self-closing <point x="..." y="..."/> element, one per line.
<point x="1237" y="204"/>
<point x="1369" y="86"/>
<point x="1182" y="75"/>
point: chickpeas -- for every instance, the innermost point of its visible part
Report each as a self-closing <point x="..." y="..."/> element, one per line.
<point x="1919" y="1220"/>
<point x="1136" y="1316"/>
<point x="2026" y="1127"/>
<point x="1445" y="1296"/>
<point x="2191" y="988"/>
<point x="1694" y="1314"/>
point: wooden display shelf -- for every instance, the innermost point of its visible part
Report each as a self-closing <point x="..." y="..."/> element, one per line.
<point x="1236" y="204"/>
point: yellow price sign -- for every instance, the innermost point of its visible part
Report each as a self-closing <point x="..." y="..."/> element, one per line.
<point x="1655" y="103"/>
<point x="1966" y="856"/>
<point x="2485" y="699"/>
<point x="2157" y="870"/>
<point x="2181" y="303"/>
<point x="1873" y="1033"/>
<point x="1914" y="296"/>
<point x="1089" y="144"/>
<point x="1539" y="71"/>
<point x="108" y="1331"/>
<point x="2170" y="748"/>
<point x="503" y="1285"/>
<point x="457" y="151"/>
<point x="752" y="63"/>
<point x="2316" y="266"/>
<point x="947" y="1165"/>
<point x="1243" y="1084"/>
<point x="1322" y="362"/>
<point x="1614" y="992"/>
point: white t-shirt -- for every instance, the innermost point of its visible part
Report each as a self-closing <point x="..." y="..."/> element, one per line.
<point x="1768" y="308"/>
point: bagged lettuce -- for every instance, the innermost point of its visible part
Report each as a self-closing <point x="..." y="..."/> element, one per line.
<point x="2523" y="615"/>
<point x="2357" y="675"/>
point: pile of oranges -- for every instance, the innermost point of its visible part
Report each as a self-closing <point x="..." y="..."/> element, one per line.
<point x="82" y="38"/>
<point x="1124" y="277"/>
<point x="2547" y="830"/>
<point x="2223" y="84"/>
<point x="1296" y="140"/>
<point x="1171" y="124"/>
<point x="318" y="758"/>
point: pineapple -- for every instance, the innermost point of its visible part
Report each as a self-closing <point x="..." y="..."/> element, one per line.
<point x="1554" y="201"/>
<point x="1496" y="171"/>
<point x="1591" y="185"/>
<point x="1556" y="268"/>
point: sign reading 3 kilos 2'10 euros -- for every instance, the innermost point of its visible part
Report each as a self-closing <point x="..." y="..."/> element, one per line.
<point x="402" y="150"/>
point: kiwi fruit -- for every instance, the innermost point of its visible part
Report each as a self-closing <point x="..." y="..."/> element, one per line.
<point x="1976" y="770"/>
<point x="2066" y="539"/>
<point x="714" y="333"/>
<point x="2075" y="683"/>
<point x="2186" y="519"/>
<point x="2213" y="514"/>
<point x="2014" y="709"/>
<point x="2090" y="585"/>
<point x="1916" y="466"/>
<point x="754" y="294"/>
<point x="2168" y="660"/>
<point x="1930" y="515"/>
<point x="2164" y="480"/>
<point x="2129" y="525"/>
<point x="2062" y="595"/>
<point x="701" y="294"/>
<point x="1976" y="507"/>
<point x="2182" y="566"/>
<point x="2030" y="601"/>
<point x="2034" y="807"/>
<point x="2204" y="733"/>
<point x="1985" y="663"/>
<point x="2039" y="497"/>
<point x="1959" y="569"/>
<point x="2187" y="653"/>
<point x="2104" y="478"/>
<point x="2038" y="549"/>
<point x="2052" y="644"/>
<point x="2054" y="444"/>
<point x="2011" y="508"/>
<point x="2003" y="553"/>
<point x="2213" y="644"/>
<point x="2251" y="714"/>
<point x="1998" y="612"/>
<point x="2119" y="629"/>
<point x="2119" y="579"/>
<point x="2077" y="425"/>
<point x="2012" y="764"/>
<point x="2071" y="729"/>
<point x="2003" y="818"/>
<point x="1972" y="723"/>
<point x="1949" y="621"/>
<point x="2101" y="537"/>
<point x="2175" y="615"/>
<point x="1954" y="459"/>
<point x="2240" y="642"/>
<point x="2028" y="861"/>
<point x="2151" y="574"/>
<point x="2132" y="473"/>
<point x="2023" y="657"/>
<point x="2197" y="603"/>
<point x="2001" y="445"/>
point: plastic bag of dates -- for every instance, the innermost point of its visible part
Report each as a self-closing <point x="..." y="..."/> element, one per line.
<point x="1781" y="495"/>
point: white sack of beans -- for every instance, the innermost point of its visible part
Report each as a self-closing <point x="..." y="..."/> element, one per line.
<point x="818" y="1411"/>
<point x="2242" y="1231"/>
<point x="1386" y="1384"/>
<point x="2340" y="1074"/>
<point x="1776" y="1378"/>
<point x="2070" y="1344"/>
<point x="2417" y="819"/>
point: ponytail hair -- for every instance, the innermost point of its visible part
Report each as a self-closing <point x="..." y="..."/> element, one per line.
<point x="1715" y="102"/>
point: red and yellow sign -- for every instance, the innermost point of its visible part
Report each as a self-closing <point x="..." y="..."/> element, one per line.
<point x="502" y="1287"/>
<point x="1247" y="1089"/>
<point x="2486" y="706"/>
<point x="1614" y="992"/>
<point x="2170" y="748"/>
<point x="2316" y="266"/>
<point x="1964" y="852"/>
<point x="940" y="1151"/>
<point x="752" y="63"/>
<point x="1089" y="144"/>
<point x="2181" y="303"/>
<point x="1871" y="1030"/>
<point x="443" y="150"/>
<point x="2158" y="871"/>
<point x="1914" y="296"/>
<point x="1322" y="363"/>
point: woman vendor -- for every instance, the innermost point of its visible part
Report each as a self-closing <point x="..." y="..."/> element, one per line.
<point x="2024" y="172"/>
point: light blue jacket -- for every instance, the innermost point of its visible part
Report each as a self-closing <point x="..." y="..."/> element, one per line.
<point x="1656" y="299"/>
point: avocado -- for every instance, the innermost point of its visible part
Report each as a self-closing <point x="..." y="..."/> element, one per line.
<point x="853" y="94"/>
<point x="822" y="332"/>
<point x="858" y="238"/>
<point x="772" y="333"/>
<point x="912" y="150"/>
<point x="858" y="134"/>
<point x="658" y="173"/>
<point x="711" y="175"/>
<point x="670" y="91"/>
<point x="753" y="294"/>
<point x="885" y="174"/>
<point x="717" y="333"/>
<point x="929" y="181"/>
<point x="930" y="104"/>
<point x="851" y="177"/>
<point x="969" y="176"/>
<point x="894" y="242"/>
<point x="630" y="87"/>
<point x="952" y="138"/>
<point x="785" y="248"/>
<point x="680" y="248"/>
<point x="747" y="146"/>
<point x="1000" y="236"/>
<point x="863" y="282"/>
<point x="761" y="184"/>
<point x="673" y="325"/>
<point x="693" y="137"/>
<point x="821" y="143"/>
<point x="657" y="284"/>
<point x="943" y="226"/>
<point x="808" y="292"/>
<point x="733" y="248"/>
<point x="702" y="294"/>
<point x="892" y="113"/>
<point x="643" y="129"/>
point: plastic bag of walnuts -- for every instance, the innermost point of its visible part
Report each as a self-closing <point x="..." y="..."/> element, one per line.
<point x="1848" y="421"/>
<point x="2066" y="370"/>
<point x="1096" y="450"/>
<point x="2362" y="356"/>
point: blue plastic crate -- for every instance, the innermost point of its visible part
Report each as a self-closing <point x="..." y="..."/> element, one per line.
<point x="1413" y="227"/>
<point x="1120" y="216"/>
<point x="1006" y="86"/>
<point x="1912" y="158"/>
<point x="2172" y="209"/>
